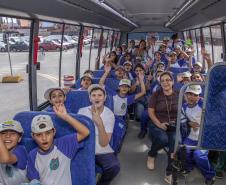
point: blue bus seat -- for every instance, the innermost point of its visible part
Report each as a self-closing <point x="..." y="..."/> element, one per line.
<point x="99" y="74"/>
<point x="83" y="165"/>
<point x="213" y="124"/>
<point x="178" y="70"/>
<point x="111" y="85"/>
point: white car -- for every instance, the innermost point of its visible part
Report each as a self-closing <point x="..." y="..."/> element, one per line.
<point x="2" y="47"/>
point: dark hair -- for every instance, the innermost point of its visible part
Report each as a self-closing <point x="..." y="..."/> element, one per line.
<point x="194" y="73"/>
<point x="140" y="66"/>
<point x="88" y="71"/>
<point x="116" y="59"/>
<point x="167" y="73"/>
<point x="97" y="88"/>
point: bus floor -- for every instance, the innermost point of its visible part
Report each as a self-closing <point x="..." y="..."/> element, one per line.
<point x="133" y="158"/>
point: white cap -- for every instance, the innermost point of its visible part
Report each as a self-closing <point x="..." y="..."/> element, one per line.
<point x="119" y="67"/>
<point x="91" y="87"/>
<point x="87" y="76"/>
<point x="198" y="63"/>
<point x="50" y="90"/>
<point x="41" y="123"/>
<point x="166" y="38"/>
<point x="195" y="89"/>
<point x="11" y="125"/>
<point x="127" y="62"/>
<point x="186" y="74"/>
<point x="125" y="82"/>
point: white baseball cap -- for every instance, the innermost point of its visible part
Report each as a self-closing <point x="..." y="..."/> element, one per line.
<point x="50" y="90"/>
<point x="195" y="89"/>
<point x="41" y="123"/>
<point x="11" y="125"/>
<point x="127" y="62"/>
<point x="198" y="63"/>
<point x="186" y="74"/>
<point x="87" y="76"/>
<point x="125" y="82"/>
<point x="96" y="86"/>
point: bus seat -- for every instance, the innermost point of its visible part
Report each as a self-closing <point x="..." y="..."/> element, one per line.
<point x="99" y="73"/>
<point x="77" y="99"/>
<point x="177" y="86"/>
<point x="111" y="85"/>
<point x="83" y="165"/>
<point x="119" y="133"/>
<point x="178" y="70"/>
<point x="213" y="124"/>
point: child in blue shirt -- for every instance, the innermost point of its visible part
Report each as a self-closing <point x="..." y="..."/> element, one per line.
<point x="49" y="163"/>
<point x="13" y="157"/>
<point x="191" y="114"/>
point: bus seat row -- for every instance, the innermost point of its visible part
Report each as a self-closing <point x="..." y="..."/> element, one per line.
<point x="99" y="74"/>
<point x="83" y="165"/>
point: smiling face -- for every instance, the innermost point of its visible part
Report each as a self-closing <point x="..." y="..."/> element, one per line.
<point x="191" y="98"/>
<point x="44" y="139"/>
<point x="123" y="90"/>
<point x="97" y="98"/>
<point x="166" y="82"/>
<point x="119" y="73"/>
<point x="127" y="67"/>
<point x="10" y="138"/>
<point x="196" y="77"/>
<point x="57" y="97"/>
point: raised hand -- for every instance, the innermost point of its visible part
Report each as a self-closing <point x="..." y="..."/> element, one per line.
<point x="60" y="110"/>
<point x="95" y="115"/>
<point x="107" y="68"/>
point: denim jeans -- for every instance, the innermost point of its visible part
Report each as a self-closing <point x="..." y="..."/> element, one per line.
<point x="161" y="139"/>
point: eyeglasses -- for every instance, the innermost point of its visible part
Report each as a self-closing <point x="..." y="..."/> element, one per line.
<point x="166" y="80"/>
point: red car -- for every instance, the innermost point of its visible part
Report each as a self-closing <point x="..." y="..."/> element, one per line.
<point x="50" y="45"/>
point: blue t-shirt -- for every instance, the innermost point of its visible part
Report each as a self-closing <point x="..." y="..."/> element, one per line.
<point x="53" y="167"/>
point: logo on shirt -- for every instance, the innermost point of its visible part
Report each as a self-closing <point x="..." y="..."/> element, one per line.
<point x="123" y="107"/>
<point x="54" y="164"/>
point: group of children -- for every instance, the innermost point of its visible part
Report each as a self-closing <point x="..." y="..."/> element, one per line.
<point x="136" y="71"/>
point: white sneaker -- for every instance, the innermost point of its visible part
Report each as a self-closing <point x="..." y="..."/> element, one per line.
<point x="168" y="179"/>
<point x="151" y="163"/>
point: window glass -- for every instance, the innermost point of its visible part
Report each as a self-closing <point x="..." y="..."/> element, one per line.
<point x="84" y="61"/>
<point x="217" y="43"/>
<point x="117" y="39"/>
<point x="110" y="35"/>
<point x="49" y="52"/>
<point x="193" y="38"/>
<point x="14" y="37"/>
<point x="104" y="43"/>
<point x="95" y="46"/>
<point x="185" y="35"/>
<point x="68" y="63"/>
<point x="199" y="46"/>
<point x="207" y="40"/>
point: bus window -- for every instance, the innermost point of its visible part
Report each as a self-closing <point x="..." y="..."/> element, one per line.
<point x="104" y="43"/>
<point x="207" y="41"/>
<point x="194" y="43"/>
<point x="217" y="43"/>
<point x="68" y="62"/>
<point x="199" y="44"/>
<point x="49" y="52"/>
<point x="84" y="61"/>
<point x="108" y="48"/>
<point x="14" y="37"/>
<point x="95" y="46"/>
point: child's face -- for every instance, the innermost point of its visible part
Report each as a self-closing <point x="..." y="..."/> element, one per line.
<point x="44" y="139"/>
<point x="186" y="80"/>
<point x="191" y="98"/>
<point x="97" y="98"/>
<point x="57" y="97"/>
<point x="197" y="78"/>
<point x="86" y="82"/>
<point x="10" y="138"/>
<point x="158" y="56"/>
<point x="124" y="89"/>
<point x="127" y="67"/>
<point x="173" y="58"/>
<point x="197" y="68"/>
<point x="119" y="73"/>
<point x="161" y="67"/>
<point x="138" y="71"/>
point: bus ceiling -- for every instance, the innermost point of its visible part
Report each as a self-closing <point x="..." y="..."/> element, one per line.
<point x="124" y="15"/>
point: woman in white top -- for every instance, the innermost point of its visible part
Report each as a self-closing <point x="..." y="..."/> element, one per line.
<point x="104" y="120"/>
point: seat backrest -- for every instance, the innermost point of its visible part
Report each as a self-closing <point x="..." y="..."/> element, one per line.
<point x="178" y="70"/>
<point x="111" y="85"/>
<point x="99" y="73"/>
<point x="118" y="134"/>
<point x="83" y="165"/>
<point x="77" y="99"/>
<point x="213" y="125"/>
